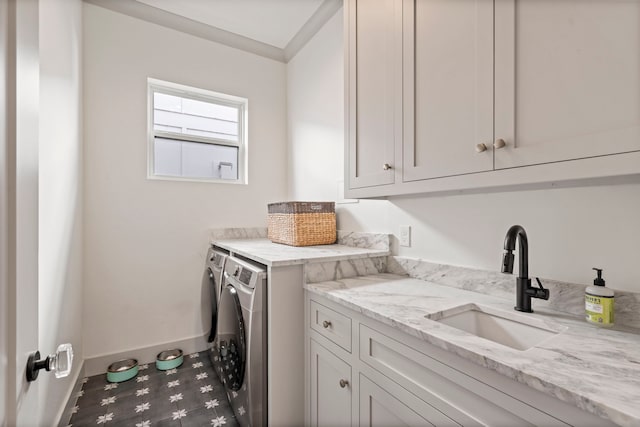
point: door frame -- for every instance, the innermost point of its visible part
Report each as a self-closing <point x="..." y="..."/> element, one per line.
<point x="4" y="226"/>
<point x="19" y="129"/>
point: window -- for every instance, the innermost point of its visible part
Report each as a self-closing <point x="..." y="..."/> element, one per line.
<point x="196" y="134"/>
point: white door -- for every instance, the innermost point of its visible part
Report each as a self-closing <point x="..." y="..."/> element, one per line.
<point x="567" y="83"/>
<point x="19" y="216"/>
<point x="330" y="388"/>
<point x="448" y="88"/>
<point x="394" y="406"/>
<point x="374" y="104"/>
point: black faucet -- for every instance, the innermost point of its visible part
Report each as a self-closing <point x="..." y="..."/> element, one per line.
<point x="524" y="290"/>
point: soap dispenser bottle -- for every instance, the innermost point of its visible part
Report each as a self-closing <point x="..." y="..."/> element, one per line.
<point x="598" y="302"/>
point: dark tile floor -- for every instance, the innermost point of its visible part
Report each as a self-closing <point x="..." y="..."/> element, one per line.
<point x="190" y="395"/>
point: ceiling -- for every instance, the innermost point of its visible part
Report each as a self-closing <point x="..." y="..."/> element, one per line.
<point x="274" y="22"/>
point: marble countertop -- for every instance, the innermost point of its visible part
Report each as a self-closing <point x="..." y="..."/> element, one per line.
<point x="274" y="254"/>
<point x="593" y="368"/>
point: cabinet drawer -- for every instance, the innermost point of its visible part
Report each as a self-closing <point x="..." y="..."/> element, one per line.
<point x="444" y="387"/>
<point x="331" y="324"/>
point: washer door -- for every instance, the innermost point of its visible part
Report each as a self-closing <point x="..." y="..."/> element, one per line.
<point x="231" y="340"/>
<point x="210" y="277"/>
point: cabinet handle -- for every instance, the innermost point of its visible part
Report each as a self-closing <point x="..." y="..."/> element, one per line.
<point x="344" y="383"/>
<point x="386" y="166"/>
<point x="500" y="143"/>
<point x="326" y="324"/>
<point x="480" y="148"/>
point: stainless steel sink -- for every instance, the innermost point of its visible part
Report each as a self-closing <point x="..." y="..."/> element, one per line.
<point x="511" y="329"/>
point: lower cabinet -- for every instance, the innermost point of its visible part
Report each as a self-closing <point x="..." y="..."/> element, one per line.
<point x="384" y="377"/>
<point x="330" y="383"/>
<point x="394" y="406"/>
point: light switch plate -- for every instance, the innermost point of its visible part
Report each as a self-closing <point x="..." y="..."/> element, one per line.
<point x="405" y="235"/>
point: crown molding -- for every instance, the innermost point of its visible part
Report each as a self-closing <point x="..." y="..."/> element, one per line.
<point x="166" y="19"/>
<point x="326" y="10"/>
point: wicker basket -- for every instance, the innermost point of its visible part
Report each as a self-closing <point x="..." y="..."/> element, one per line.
<point x="302" y="223"/>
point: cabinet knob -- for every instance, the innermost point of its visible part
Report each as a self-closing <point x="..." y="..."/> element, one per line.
<point x="326" y="324"/>
<point x="344" y="383"/>
<point x="386" y="166"/>
<point x="480" y="148"/>
<point x="500" y="143"/>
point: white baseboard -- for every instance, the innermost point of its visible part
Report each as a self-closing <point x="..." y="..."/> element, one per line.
<point x="99" y="364"/>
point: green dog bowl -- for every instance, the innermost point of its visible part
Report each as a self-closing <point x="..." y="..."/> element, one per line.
<point x="122" y="370"/>
<point x="169" y="359"/>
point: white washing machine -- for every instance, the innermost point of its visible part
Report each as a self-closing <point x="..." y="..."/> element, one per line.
<point x="240" y="347"/>
<point x="212" y="279"/>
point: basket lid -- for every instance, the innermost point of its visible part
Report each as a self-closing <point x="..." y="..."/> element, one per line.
<point x="301" y="207"/>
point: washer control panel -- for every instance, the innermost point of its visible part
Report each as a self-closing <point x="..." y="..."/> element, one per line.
<point x="245" y="276"/>
<point x="244" y="272"/>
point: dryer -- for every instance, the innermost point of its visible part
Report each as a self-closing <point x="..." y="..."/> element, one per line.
<point x="240" y="347"/>
<point x="212" y="279"/>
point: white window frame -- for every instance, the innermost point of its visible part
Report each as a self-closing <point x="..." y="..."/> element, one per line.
<point x="169" y="88"/>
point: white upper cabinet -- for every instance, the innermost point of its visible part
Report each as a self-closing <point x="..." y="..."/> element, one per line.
<point x="447" y="87"/>
<point x="450" y="95"/>
<point x="374" y="109"/>
<point x="567" y="79"/>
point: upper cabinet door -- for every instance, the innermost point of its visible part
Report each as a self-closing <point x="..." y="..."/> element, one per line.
<point x="447" y="87"/>
<point x="567" y="79"/>
<point x="374" y="90"/>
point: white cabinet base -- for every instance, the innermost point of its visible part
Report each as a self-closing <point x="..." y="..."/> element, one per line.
<point x="401" y="380"/>
<point x="330" y="382"/>
<point x="393" y="406"/>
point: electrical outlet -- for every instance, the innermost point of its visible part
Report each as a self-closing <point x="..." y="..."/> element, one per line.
<point x="405" y="235"/>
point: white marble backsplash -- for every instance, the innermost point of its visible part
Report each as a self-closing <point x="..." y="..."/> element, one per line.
<point x="364" y="240"/>
<point x="627" y="309"/>
<point x="238" y="233"/>
<point x="326" y="271"/>
<point x="565" y="297"/>
<point x="336" y="270"/>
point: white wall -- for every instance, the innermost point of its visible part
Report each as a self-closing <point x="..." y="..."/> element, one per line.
<point x="569" y="230"/>
<point x="60" y="196"/>
<point x="315" y="90"/>
<point x="317" y="131"/>
<point x="146" y="240"/>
